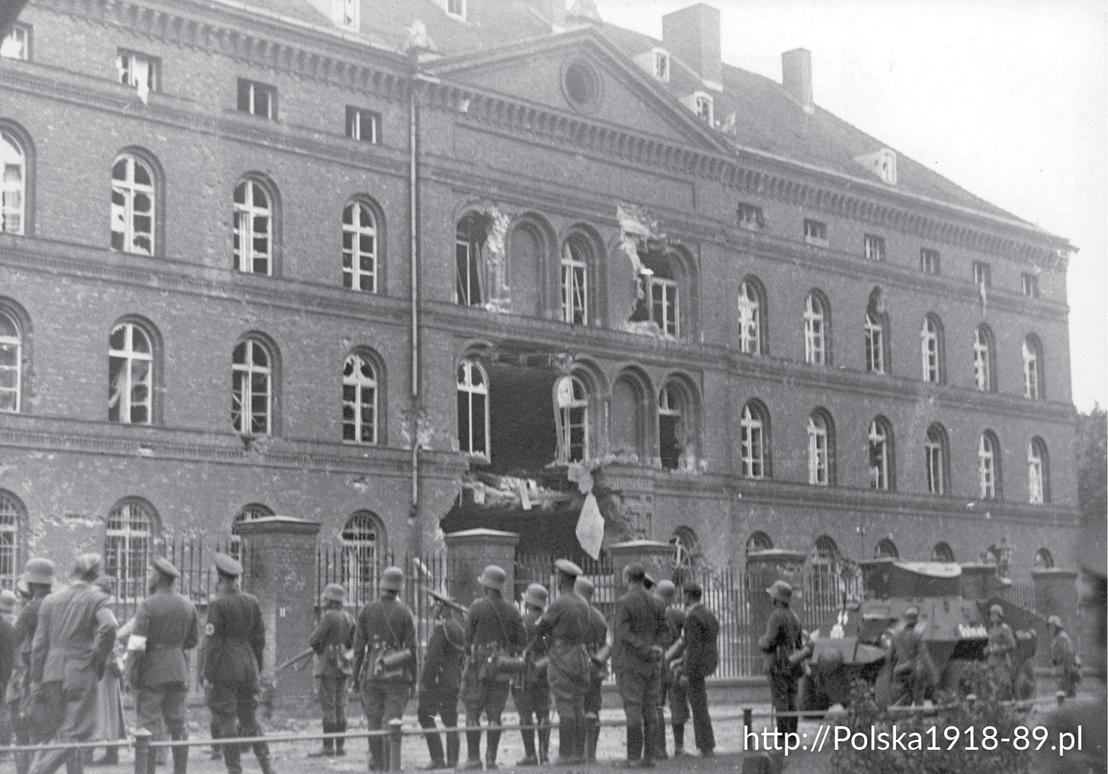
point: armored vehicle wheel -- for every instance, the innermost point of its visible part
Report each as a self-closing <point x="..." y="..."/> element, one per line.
<point x="811" y="700"/>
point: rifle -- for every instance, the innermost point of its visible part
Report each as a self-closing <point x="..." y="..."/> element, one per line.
<point x="299" y="657"/>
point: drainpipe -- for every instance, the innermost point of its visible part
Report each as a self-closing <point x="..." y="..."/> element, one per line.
<point x="415" y="528"/>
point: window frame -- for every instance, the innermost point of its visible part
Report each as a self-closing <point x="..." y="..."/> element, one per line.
<point x="339" y="16"/>
<point x="930" y="261"/>
<point x="13" y="524"/>
<point x="988" y="467"/>
<point x="574" y="418"/>
<point x="1029" y="283"/>
<point x="982" y="275"/>
<point x="751" y="304"/>
<point x="1038" y="472"/>
<point x="660" y="56"/>
<point x="815" y="233"/>
<point x="356" y="404"/>
<point x="129" y="189"/>
<point x="21" y="189"/>
<point x="1032" y="352"/>
<point x="473" y="392"/>
<point x="247" y="261"/>
<point x="936" y="455"/>
<point x="129" y="358"/>
<point x="875" y="343"/>
<point x="356" y="118"/>
<point x="749" y="217"/>
<point x="25" y="48"/>
<point x="354" y="275"/>
<point x="364" y="543"/>
<point x="880" y="437"/>
<point x="873" y="248"/>
<point x="249" y="96"/>
<point x="126" y="60"/>
<point x="665" y="294"/>
<point x="456" y="9"/>
<point x="931" y="350"/>
<point x="248" y="370"/>
<point x="754" y="452"/>
<point x="574" y="284"/>
<point x="984" y="354"/>
<point x="820" y="444"/>
<point x="469" y="247"/>
<point x="124" y="561"/>
<point x="17" y="344"/>
<point x="816" y="351"/>
<point x="704" y="107"/>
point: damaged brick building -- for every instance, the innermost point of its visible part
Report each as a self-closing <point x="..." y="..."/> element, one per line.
<point x="367" y="262"/>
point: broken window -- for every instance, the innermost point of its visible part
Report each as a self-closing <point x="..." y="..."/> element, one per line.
<point x="138" y="71"/>
<point x="575" y="288"/>
<point x="359" y="247"/>
<point x="753" y="444"/>
<point x="251" y="388"/>
<point x="13" y="185"/>
<point x="628" y="397"/>
<point x="473" y="409"/>
<point x="132" y="210"/>
<point x="815" y="329"/>
<point x="11" y="362"/>
<point x="880" y="454"/>
<point x="876" y="332"/>
<point x="572" y="400"/>
<point x="671" y="427"/>
<point x="659" y="297"/>
<point x="983" y="359"/>
<point x="931" y="349"/>
<point x="750" y="318"/>
<point x="469" y="239"/>
<point x="130" y="375"/>
<point x="359" y="400"/>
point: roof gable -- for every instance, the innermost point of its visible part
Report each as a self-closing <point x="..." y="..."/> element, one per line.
<point x="545" y="70"/>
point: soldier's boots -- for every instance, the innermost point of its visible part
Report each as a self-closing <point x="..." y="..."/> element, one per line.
<point x="544" y="740"/>
<point x="340" y="741"/>
<point x="678" y="740"/>
<point x="328" y="749"/>
<point x="491" y="750"/>
<point x="265" y="761"/>
<point x="529" y="758"/>
<point x="232" y="758"/>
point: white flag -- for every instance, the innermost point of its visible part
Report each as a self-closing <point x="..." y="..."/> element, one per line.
<point x="590" y="527"/>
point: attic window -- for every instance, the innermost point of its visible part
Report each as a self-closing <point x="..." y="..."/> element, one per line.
<point x="581" y="84"/>
<point x="702" y="106"/>
<point x="456" y="8"/>
<point x="345" y="13"/>
<point x="661" y="65"/>
<point x="887" y="166"/>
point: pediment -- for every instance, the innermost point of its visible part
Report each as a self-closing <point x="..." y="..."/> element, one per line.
<point x="580" y="73"/>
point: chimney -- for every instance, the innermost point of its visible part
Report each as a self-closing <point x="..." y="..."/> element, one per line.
<point x="796" y="77"/>
<point x="692" y="35"/>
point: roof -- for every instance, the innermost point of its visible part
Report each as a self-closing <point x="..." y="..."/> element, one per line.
<point x="766" y="119"/>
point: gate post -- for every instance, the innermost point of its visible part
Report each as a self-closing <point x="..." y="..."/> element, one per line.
<point x="656" y="557"/>
<point x="470" y="551"/>
<point x="281" y="556"/>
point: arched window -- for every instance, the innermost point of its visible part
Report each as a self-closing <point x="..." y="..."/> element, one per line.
<point x="1032" y="368"/>
<point x="937" y="458"/>
<point x="824" y="581"/>
<point x="473" y="409"/>
<point x="253" y="228"/>
<point x="881" y="468"/>
<point x="11" y="362"/>
<point x="131" y="529"/>
<point x="130" y="375"/>
<point x="988" y="466"/>
<point x="469" y="269"/>
<point x="686" y="545"/>
<point x="931" y="349"/>
<point x="1038" y="472"/>
<point x="876" y="329"/>
<point x="630" y="417"/>
<point x="12" y="517"/>
<point x="1044" y="560"/>
<point x="249" y="512"/>
<point x="363" y="549"/>
<point x="885" y="549"/>
<point x="659" y="295"/>
<point x="758" y="541"/>
<point x="133" y="205"/>
<point x="359" y="400"/>
<point x="575" y="281"/>
<point x="751" y="307"/>
<point x="984" y="365"/>
<point x="572" y="401"/>
<point x="754" y="440"/>
<point x="359" y="247"/>
<point x="815" y="330"/>
<point x="13" y="185"/>
<point x="676" y="426"/>
<point x="821" y="445"/>
<point x="942" y="552"/>
<point x="252" y="388"/>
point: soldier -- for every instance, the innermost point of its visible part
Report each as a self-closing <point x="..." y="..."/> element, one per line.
<point x="384" y="661"/>
<point x="442" y="678"/>
<point x="38" y="579"/>
<point x="909" y="662"/>
<point x="701" y="660"/>
<point x="998" y="653"/>
<point x="672" y="689"/>
<point x="566" y="622"/>
<point x="596" y="645"/>
<point x="157" y="668"/>
<point x="333" y="643"/>
<point x="532" y="688"/>
<point x="638" y="629"/>
<point x="781" y="642"/>
<point x="1063" y="658"/>
<point x="494" y="631"/>
<point x="73" y="639"/>
<point x="7" y="664"/>
<point x="233" y="649"/>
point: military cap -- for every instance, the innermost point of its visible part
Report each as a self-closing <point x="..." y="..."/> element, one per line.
<point x="1054" y="621"/>
<point x="88" y="565"/>
<point x="334" y="592"/>
<point x="228" y="565"/>
<point x="781" y="591"/>
<point x="165" y="567"/>
<point x="39" y="570"/>
<point x="911" y="614"/>
<point x="566" y="567"/>
<point x="666" y="589"/>
<point x="648" y="580"/>
<point x="445" y="599"/>
<point x="584" y="587"/>
<point x="493" y="577"/>
<point x="997" y="609"/>
<point x="536" y="595"/>
<point x="7" y="601"/>
<point x="635" y="573"/>
<point x="392" y="579"/>
<point x="694" y="589"/>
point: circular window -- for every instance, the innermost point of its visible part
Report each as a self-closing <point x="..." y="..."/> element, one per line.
<point x="581" y="84"/>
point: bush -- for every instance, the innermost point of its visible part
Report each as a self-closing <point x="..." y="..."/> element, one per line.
<point x="956" y="736"/>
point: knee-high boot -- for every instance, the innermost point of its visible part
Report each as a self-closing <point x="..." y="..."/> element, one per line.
<point x="340" y="742"/>
<point x="634" y="743"/>
<point x="265" y="761"/>
<point x="592" y="737"/>
<point x="544" y="738"/>
<point x="493" y="746"/>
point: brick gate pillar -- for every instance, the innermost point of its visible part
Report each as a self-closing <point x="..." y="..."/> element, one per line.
<point x="470" y="551"/>
<point x="655" y="556"/>
<point x="762" y="569"/>
<point x="281" y="572"/>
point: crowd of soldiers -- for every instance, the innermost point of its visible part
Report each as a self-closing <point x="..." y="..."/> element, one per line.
<point x="557" y="651"/>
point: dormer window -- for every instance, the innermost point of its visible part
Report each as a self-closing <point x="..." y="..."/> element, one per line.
<point x="881" y="163"/>
<point x="661" y="65"/>
<point x="345" y="13"/>
<point x="456" y="8"/>
<point x="702" y="105"/>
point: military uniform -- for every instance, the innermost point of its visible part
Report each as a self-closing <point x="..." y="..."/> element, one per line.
<point x="908" y="662"/>
<point x="531" y="690"/>
<point x="999" y="650"/>
<point x="566" y="623"/>
<point x="1063" y="659"/>
<point x="783" y="637"/>
<point x="235" y="642"/>
<point x="701" y="660"/>
<point x="165" y="627"/>
<point x="384" y="627"/>
<point x="439" y="685"/>
<point x="493" y="624"/>
<point x="596" y="642"/>
<point x="332" y="640"/>
<point x="675" y="692"/>
<point x="638" y="631"/>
